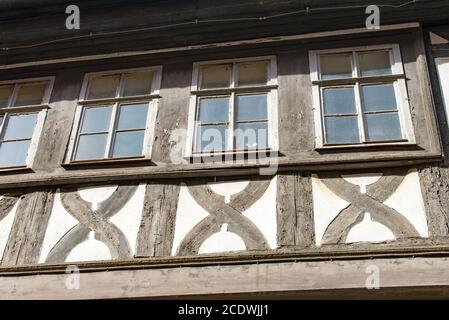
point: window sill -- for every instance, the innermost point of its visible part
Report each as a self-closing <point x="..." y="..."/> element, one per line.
<point x="15" y="169"/>
<point x="400" y="143"/>
<point x="232" y="155"/>
<point x="133" y="161"/>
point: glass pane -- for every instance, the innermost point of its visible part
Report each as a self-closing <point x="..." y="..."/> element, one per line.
<point x="19" y="127"/>
<point x="339" y="101"/>
<point x="128" y="144"/>
<point x="374" y="63"/>
<point x="133" y="116"/>
<point x="251" y="136"/>
<point x="91" y="147"/>
<point x="103" y="87"/>
<point x="211" y="138"/>
<point x="96" y="119"/>
<point x="382" y="127"/>
<point x="379" y="97"/>
<point x="5" y="94"/>
<point x="30" y="95"/>
<point x="252" y="73"/>
<point x="336" y="66"/>
<point x="216" y="76"/>
<point x="213" y="110"/>
<point x="251" y="107"/>
<point x="1" y="120"/>
<point x="137" y="84"/>
<point x="13" y="153"/>
<point x="341" y="130"/>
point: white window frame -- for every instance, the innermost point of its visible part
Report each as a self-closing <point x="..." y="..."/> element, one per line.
<point x="271" y="89"/>
<point x="39" y="109"/>
<point x="153" y="105"/>
<point x="397" y="78"/>
<point x="443" y="76"/>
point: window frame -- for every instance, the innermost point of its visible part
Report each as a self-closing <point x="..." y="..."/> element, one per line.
<point x="39" y="109"/>
<point x="152" y="99"/>
<point x="397" y="78"/>
<point x="442" y="66"/>
<point x="196" y="93"/>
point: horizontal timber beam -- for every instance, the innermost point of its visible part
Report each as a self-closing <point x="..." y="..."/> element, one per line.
<point x="257" y="278"/>
<point x="101" y="174"/>
<point x="210" y="45"/>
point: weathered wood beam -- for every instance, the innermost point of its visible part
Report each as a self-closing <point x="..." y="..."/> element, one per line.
<point x="233" y="279"/>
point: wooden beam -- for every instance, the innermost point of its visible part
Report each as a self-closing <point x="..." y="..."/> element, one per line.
<point x="210" y="45"/>
<point x="395" y="273"/>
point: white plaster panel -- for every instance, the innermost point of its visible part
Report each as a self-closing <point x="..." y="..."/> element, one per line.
<point x="443" y="73"/>
<point x="188" y="214"/>
<point x="326" y="206"/>
<point x="129" y="217"/>
<point x="369" y="231"/>
<point x="5" y="228"/>
<point x="263" y="214"/>
<point x="408" y="201"/>
<point x="95" y="195"/>
<point x="59" y="224"/>
<point x="127" y="220"/>
<point x="362" y="180"/>
<point x="222" y="241"/>
<point x="89" y="250"/>
<point x="227" y="189"/>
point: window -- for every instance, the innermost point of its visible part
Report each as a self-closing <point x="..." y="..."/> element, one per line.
<point x="233" y="106"/>
<point x="360" y="97"/>
<point x="116" y="115"/>
<point x="23" y="107"/>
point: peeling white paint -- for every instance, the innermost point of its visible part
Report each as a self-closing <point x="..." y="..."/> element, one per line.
<point x="369" y="231"/>
<point x="5" y="228"/>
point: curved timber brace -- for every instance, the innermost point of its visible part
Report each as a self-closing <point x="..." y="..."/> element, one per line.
<point x="372" y="201"/>
<point x="229" y="213"/>
<point x="94" y="220"/>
